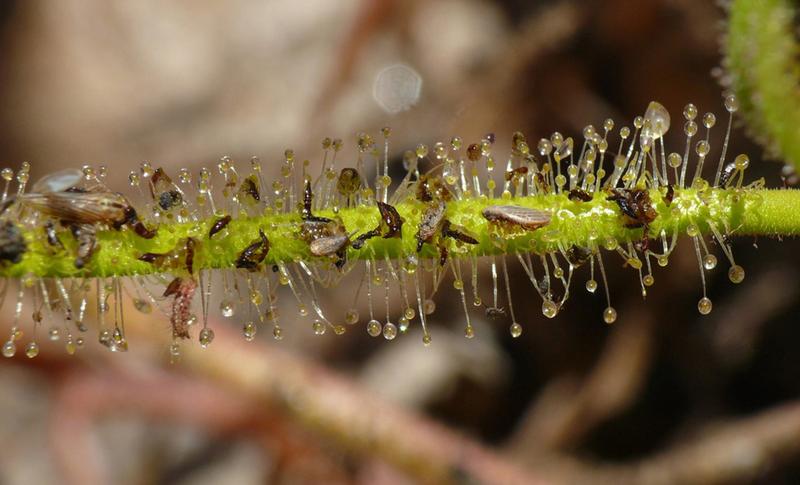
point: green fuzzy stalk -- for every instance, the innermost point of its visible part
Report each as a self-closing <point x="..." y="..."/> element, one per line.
<point x="764" y="73"/>
<point x="593" y="224"/>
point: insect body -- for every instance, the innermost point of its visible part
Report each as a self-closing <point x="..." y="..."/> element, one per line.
<point x="254" y="254"/>
<point x="12" y="244"/>
<point x="391" y="224"/>
<point x="514" y="216"/>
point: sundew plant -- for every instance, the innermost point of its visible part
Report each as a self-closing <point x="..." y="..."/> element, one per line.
<point x="562" y="208"/>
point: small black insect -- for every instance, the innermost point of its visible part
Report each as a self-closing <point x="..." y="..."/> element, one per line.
<point x="254" y="254"/>
<point x="635" y="206"/>
<point x="249" y="188"/>
<point x="219" y="225"/>
<point x="637" y="210"/>
<point x="86" y="235"/>
<point x="578" y="255"/>
<point x="12" y="243"/>
<point x="670" y="195"/>
<point x="52" y="235"/>
<point x="391" y="226"/>
<point x="516" y="174"/>
<point x="727" y="173"/>
<point x="458" y="233"/>
<point x="164" y="191"/>
<point x="579" y="195"/>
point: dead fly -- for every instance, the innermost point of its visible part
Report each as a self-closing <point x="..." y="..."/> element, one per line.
<point x="457" y="232"/>
<point x="635" y="206"/>
<point x="77" y="206"/>
<point x="430" y="224"/>
<point x="495" y="313"/>
<point x="349" y="182"/>
<point x="81" y="211"/>
<point x="52" y="236"/>
<point x="219" y="225"/>
<point x="514" y="216"/>
<point x="579" y="195"/>
<point x="331" y="245"/>
<point x="516" y="175"/>
<point x="254" y="254"/>
<point x="391" y="225"/>
<point x="727" y="174"/>
<point x="86" y="235"/>
<point x="183" y="290"/>
<point x="165" y="193"/>
<point x="670" y="195"/>
<point x="12" y="243"/>
<point x="431" y="187"/>
<point x="305" y="211"/>
<point x="179" y="259"/>
<point x="578" y="255"/>
<point x="637" y="210"/>
<point x="249" y="190"/>
<point x="326" y="237"/>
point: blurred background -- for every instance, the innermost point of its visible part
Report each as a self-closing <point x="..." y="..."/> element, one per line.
<point x="662" y="396"/>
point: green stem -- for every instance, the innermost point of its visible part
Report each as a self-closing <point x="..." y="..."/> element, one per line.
<point x="764" y="73"/>
<point x="588" y="224"/>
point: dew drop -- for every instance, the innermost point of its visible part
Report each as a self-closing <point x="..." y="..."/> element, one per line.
<point x="175" y="351"/>
<point x="226" y="308"/>
<point x="142" y="306"/>
<point x="648" y="280"/>
<point x="731" y="103"/>
<point x="426" y="340"/>
<point x="429" y="306"/>
<point x="409" y="313"/>
<point x="402" y="324"/>
<point x="319" y="327"/>
<point x="389" y="331"/>
<point x="32" y="350"/>
<point x="549" y="308"/>
<point x="71" y="347"/>
<point x="53" y="334"/>
<point x="9" y="349"/>
<point x="477" y="301"/>
<point x="351" y="317"/>
<point x="662" y="260"/>
<point x="469" y="331"/>
<point x="277" y="333"/>
<point x="249" y="331"/>
<point x="374" y="328"/>
<point x="736" y="274"/>
<point x="609" y="315"/>
<point x="302" y="310"/>
<point x="704" y="306"/>
<point x="709" y="261"/>
<point x="515" y="329"/>
<point x="206" y="337"/>
<point x="339" y="329"/>
<point x="591" y="286"/>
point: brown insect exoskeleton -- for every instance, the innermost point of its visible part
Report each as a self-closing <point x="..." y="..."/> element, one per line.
<point x="219" y="225"/>
<point x="579" y="195"/>
<point x="348" y="183"/>
<point x="430" y="224"/>
<point x="516" y="175"/>
<point x="254" y="254"/>
<point x="179" y="259"/>
<point x="165" y="193"/>
<point x="637" y="210"/>
<point x="670" y="195"/>
<point x="432" y="187"/>
<point x="86" y="235"/>
<point x="391" y="225"/>
<point x="183" y="290"/>
<point x="12" y="244"/>
<point x="249" y="190"/>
